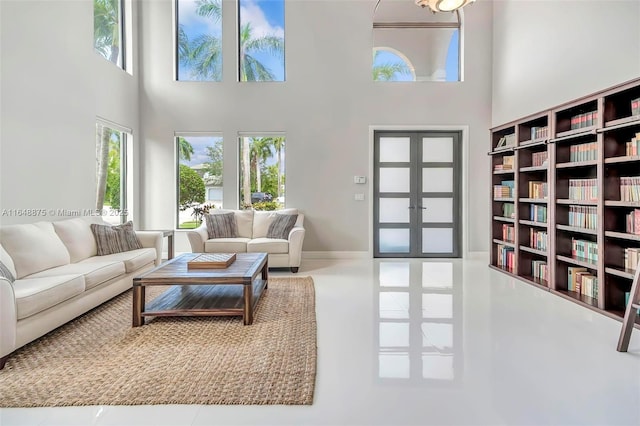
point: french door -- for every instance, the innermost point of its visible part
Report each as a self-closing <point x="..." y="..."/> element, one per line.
<point x="417" y="191"/>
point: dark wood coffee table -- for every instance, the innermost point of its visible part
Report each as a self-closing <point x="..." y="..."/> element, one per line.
<point x="203" y="292"/>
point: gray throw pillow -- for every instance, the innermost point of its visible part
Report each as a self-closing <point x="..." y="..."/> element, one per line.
<point x="221" y="225"/>
<point x="6" y="273"/>
<point x="115" y="239"/>
<point x="281" y="226"/>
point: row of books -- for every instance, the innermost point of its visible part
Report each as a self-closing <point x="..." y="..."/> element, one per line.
<point x="508" y="233"/>
<point x="507" y="163"/>
<point x="583" y="189"/>
<point x="540" y="269"/>
<point x="587" y="119"/>
<point x="538" y="189"/>
<point x="539" y="158"/>
<point x="540" y="132"/>
<point x="633" y="146"/>
<point x="583" y="152"/>
<point x="505" y="189"/>
<point x="538" y="239"/>
<point x="507" y="140"/>
<point x="584" y="249"/>
<point x="631" y="258"/>
<point x="583" y="217"/>
<point x="630" y="188"/>
<point x="538" y="213"/>
<point x="635" y="106"/>
<point x="633" y="222"/>
<point x="506" y="257"/>
<point x="509" y="210"/>
<point x="582" y="281"/>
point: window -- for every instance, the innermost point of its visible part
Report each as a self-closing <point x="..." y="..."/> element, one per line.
<point x="200" y="161"/>
<point x="112" y="162"/>
<point x="108" y="30"/>
<point x="411" y="44"/>
<point x="199" y="40"/>
<point x="262" y="177"/>
<point x="261" y="40"/>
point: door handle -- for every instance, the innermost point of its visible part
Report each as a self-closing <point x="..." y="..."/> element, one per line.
<point x="411" y="207"/>
<point x="423" y="208"/>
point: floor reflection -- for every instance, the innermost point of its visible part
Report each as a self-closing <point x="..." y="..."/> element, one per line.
<point x="418" y="322"/>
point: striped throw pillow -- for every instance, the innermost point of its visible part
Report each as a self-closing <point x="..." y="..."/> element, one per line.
<point x="222" y="225"/>
<point x="281" y="226"/>
<point x="115" y="239"/>
<point x="6" y="273"/>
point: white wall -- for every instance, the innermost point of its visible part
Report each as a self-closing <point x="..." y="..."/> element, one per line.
<point x="325" y="107"/>
<point x="549" y="52"/>
<point x="53" y="86"/>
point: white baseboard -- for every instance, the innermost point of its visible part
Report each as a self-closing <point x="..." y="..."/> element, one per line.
<point x="336" y="255"/>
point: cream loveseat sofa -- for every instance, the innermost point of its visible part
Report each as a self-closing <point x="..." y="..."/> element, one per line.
<point x="59" y="276"/>
<point x="252" y="229"/>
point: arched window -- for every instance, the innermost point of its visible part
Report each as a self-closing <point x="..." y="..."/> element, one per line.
<point x="427" y="43"/>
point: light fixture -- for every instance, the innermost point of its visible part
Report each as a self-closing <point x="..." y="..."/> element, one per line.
<point x="443" y="5"/>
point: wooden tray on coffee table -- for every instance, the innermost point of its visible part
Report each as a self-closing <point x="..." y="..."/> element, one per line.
<point x="212" y="261"/>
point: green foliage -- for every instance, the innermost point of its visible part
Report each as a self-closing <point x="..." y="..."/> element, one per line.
<point x="185" y="149"/>
<point x="270" y="180"/>
<point x="192" y="188"/>
<point x="112" y="191"/>
<point x="200" y="211"/>
<point x="215" y="154"/>
<point x="106" y="32"/>
<point x="388" y="71"/>
<point x="266" y="205"/>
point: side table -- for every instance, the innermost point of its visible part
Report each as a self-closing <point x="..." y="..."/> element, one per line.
<point x="169" y="234"/>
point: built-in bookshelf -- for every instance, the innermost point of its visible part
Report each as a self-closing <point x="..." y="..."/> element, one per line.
<point x="565" y="200"/>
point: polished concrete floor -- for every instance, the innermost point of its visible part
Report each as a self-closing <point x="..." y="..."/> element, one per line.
<point x="437" y="342"/>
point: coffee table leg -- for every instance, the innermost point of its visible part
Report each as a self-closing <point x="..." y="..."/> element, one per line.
<point x="138" y="305"/>
<point x="265" y="274"/>
<point x="248" y="304"/>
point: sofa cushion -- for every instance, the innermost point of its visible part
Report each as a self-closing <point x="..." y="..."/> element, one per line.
<point x="133" y="260"/>
<point x="115" y="239"/>
<point x="6" y="273"/>
<point x="281" y="226"/>
<point x="244" y="220"/>
<point x="221" y="225"/>
<point x="262" y="220"/>
<point x="33" y="247"/>
<point x="94" y="272"/>
<point x="226" y="245"/>
<point x="8" y="262"/>
<point x="77" y="236"/>
<point x="268" y="245"/>
<point x="34" y="295"/>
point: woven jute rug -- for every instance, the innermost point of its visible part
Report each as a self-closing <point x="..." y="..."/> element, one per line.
<point x="99" y="359"/>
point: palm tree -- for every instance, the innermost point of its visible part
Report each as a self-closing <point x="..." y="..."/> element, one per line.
<point x="246" y="172"/>
<point x="278" y="144"/>
<point x="103" y="136"/>
<point x="106" y="29"/>
<point x="260" y="152"/>
<point x="387" y="71"/>
<point x="185" y="149"/>
<point x="250" y="68"/>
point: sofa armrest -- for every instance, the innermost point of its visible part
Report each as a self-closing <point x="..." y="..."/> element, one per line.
<point x="8" y="317"/>
<point x="197" y="237"/>
<point x="152" y="239"/>
<point x="296" y="238"/>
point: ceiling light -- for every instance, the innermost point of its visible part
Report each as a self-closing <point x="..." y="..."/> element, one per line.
<point x="443" y="5"/>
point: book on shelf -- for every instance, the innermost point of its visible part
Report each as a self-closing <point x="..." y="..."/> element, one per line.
<point x="538" y="213"/>
<point x="506" y="141"/>
<point x="635" y="106"/>
<point x="631" y="258"/>
<point x="509" y="210"/>
<point x="539" y="158"/>
<point x="506" y="257"/>
<point x="583" y="189"/>
<point x="583" y="152"/>
<point x="630" y="188"/>
<point x="586" y="119"/>
<point x="538" y="189"/>
<point x="627" y="295"/>
<point x="633" y="222"/>
<point x="581" y="281"/>
<point x="507" y="163"/>
<point x="540" y="269"/>
<point x="583" y="217"/>
<point x="538" y="239"/>
<point x="508" y="233"/>
<point x="541" y="132"/>
<point x="633" y="146"/>
<point x="584" y="249"/>
<point x="505" y="189"/>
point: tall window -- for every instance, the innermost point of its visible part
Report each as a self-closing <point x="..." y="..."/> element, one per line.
<point x="112" y="161"/>
<point x="108" y="30"/>
<point x="199" y="40"/>
<point x="261" y="40"/>
<point x="262" y="177"/>
<point x="413" y="44"/>
<point x="200" y="161"/>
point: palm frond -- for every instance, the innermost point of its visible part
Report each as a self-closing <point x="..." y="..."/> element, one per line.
<point x="209" y="8"/>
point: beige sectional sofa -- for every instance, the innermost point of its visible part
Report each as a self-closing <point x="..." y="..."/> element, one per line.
<point x="59" y="276"/>
<point x="252" y="228"/>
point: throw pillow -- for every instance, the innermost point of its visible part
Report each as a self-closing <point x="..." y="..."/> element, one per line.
<point x="222" y="225"/>
<point x="281" y="226"/>
<point x="115" y="239"/>
<point x="6" y="273"/>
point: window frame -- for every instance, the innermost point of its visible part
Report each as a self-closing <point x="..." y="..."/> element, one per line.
<point x="122" y="62"/>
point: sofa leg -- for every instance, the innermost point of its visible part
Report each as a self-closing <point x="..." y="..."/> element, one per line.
<point x="294" y="269"/>
<point x="3" y="361"/>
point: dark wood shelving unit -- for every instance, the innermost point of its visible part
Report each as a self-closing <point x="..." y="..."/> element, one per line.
<point x="579" y="149"/>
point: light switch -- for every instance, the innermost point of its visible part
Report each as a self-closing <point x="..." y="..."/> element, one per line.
<point x="360" y="179"/>
<point x="358" y="197"/>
